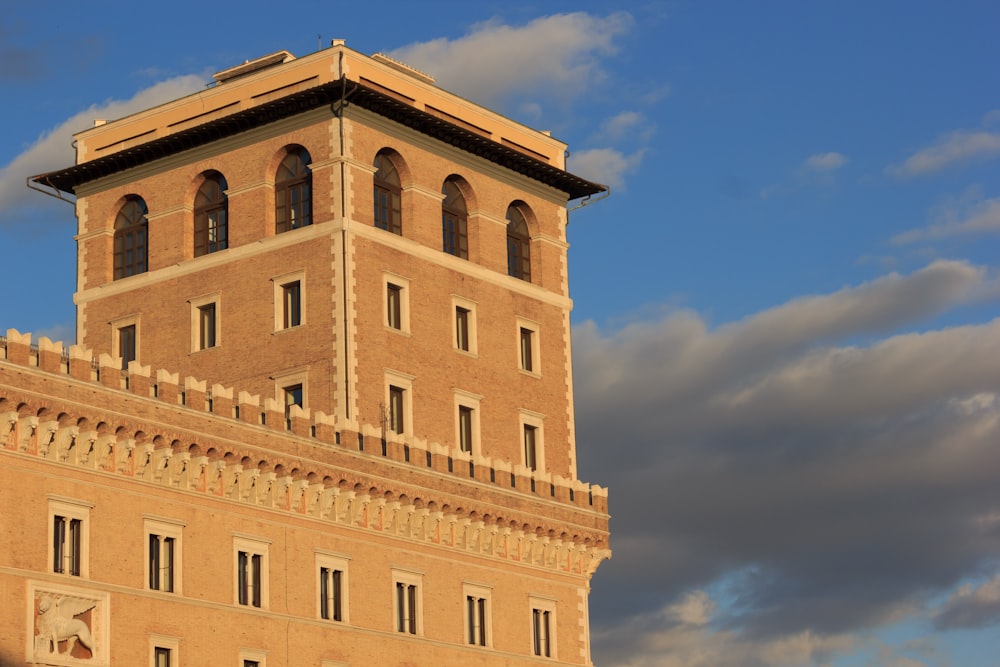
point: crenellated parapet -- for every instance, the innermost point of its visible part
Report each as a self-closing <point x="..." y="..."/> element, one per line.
<point x="159" y="429"/>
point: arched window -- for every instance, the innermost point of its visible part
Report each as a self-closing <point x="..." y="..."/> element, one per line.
<point x="387" y="189"/>
<point x="293" y="192"/>
<point x="454" y="221"/>
<point x="131" y="230"/>
<point x="211" y="228"/>
<point x="518" y="244"/>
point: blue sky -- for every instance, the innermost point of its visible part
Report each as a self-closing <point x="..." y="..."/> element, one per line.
<point x="786" y="349"/>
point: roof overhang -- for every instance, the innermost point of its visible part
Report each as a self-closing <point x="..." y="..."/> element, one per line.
<point x="328" y="94"/>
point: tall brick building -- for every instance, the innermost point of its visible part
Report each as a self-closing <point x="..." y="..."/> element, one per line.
<point x="321" y="412"/>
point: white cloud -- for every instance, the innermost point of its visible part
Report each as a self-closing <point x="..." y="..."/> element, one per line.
<point x="960" y="146"/>
<point x="980" y="217"/>
<point x="53" y="150"/>
<point x="558" y="56"/>
<point x="971" y="606"/>
<point x="681" y="635"/>
<point x="816" y="170"/>
<point x="824" y="162"/>
<point x="604" y="165"/>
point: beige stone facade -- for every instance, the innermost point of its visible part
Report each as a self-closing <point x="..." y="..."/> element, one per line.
<point x="360" y="446"/>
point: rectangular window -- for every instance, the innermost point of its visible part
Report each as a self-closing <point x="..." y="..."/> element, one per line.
<point x="250" y="580"/>
<point x="67" y="545"/>
<point x="332" y="587"/>
<point x="465" y="414"/>
<point x="330" y="594"/>
<point x="163" y="554"/>
<point x="406" y="608"/>
<point x="407" y="602"/>
<point x="206" y="326"/>
<point x="530" y="447"/>
<point x="161" y="657"/>
<point x="394" y="306"/>
<point x="462" y="328"/>
<point x="69" y="536"/>
<point x="397" y="397"/>
<point x="527" y="358"/>
<point x="126" y="345"/>
<point x="476" y="610"/>
<point x="291" y="300"/>
<point x="161" y="563"/>
<point x="251" y="571"/>
<point x="541" y="632"/>
<point x="477" y="614"/>
<point x="250" y="657"/>
<point x="293" y="396"/>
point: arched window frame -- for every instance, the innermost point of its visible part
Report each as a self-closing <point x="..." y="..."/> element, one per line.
<point x="293" y="192"/>
<point x="454" y="220"/>
<point x="211" y="215"/>
<point x="518" y="244"/>
<point x="131" y="238"/>
<point x="387" y="194"/>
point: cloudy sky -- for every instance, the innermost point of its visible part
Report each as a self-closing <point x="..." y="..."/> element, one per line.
<point x="786" y="347"/>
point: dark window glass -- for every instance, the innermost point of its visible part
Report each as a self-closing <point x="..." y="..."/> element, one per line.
<point x="527" y="362"/>
<point x="131" y="229"/>
<point x="541" y="632"/>
<point x="530" y="460"/>
<point x="394" y="306"/>
<point x="291" y="296"/>
<point x="387" y="193"/>
<point x="518" y="245"/>
<point x="454" y="221"/>
<point x="161" y="563"/>
<point x="162" y="657"/>
<point x="476" y="609"/>
<point x="206" y="326"/>
<point x="406" y="608"/>
<point x="330" y="594"/>
<point x="66" y="544"/>
<point x="396" y="417"/>
<point x="462" y="328"/>
<point x="126" y="345"/>
<point x="293" y="192"/>
<point x="465" y="428"/>
<point x="211" y="227"/>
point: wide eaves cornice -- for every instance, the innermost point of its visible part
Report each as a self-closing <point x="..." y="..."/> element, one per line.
<point x="333" y="93"/>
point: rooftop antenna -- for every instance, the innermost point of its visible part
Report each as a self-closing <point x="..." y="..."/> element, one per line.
<point x="319" y="42"/>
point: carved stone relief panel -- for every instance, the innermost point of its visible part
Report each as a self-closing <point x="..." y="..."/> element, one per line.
<point x="68" y="625"/>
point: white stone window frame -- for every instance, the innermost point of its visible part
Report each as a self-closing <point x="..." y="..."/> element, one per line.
<point x="334" y="561"/>
<point x="70" y="508"/>
<point x="537" y="420"/>
<point x="279" y="284"/>
<point x="469" y="400"/>
<point x="486" y="593"/>
<point x="252" y="546"/>
<point x="164" y="527"/>
<point x="536" y="348"/>
<point x="197" y="303"/>
<point x="543" y="604"/>
<point x="116" y="328"/>
<point x="471" y="322"/>
<point x="404" y="302"/>
<point x="290" y="378"/>
<point x="253" y="654"/>
<point x="408" y="578"/>
<point x="403" y="381"/>
<point x="172" y="644"/>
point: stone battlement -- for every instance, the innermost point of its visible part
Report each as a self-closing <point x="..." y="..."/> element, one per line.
<point x="266" y="419"/>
